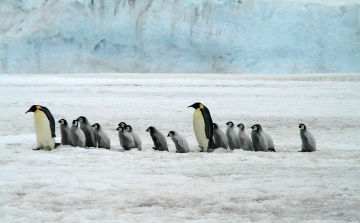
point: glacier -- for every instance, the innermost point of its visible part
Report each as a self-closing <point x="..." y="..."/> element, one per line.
<point x="172" y="36"/>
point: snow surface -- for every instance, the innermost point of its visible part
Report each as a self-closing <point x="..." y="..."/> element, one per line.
<point x="192" y="36"/>
<point x="87" y="185"/>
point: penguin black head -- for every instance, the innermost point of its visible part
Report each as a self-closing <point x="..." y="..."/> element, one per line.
<point x="302" y="126"/>
<point x="171" y="133"/>
<point x="82" y="119"/>
<point x="151" y="129"/>
<point x="63" y="122"/>
<point x="241" y="126"/>
<point x="256" y="127"/>
<point x="196" y="105"/>
<point x="128" y="128"/>
<point x="215" y="126"/>
<point x="96" y="126"/>
<point x="75" y="122"/>
<point x="35" y="108"/>
<point x="120" y="129"/>
<point x="230" y="123"/>
<point x="122" y="124"/>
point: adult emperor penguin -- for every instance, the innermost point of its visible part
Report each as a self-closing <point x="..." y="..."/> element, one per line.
<point x="88" y="130"/>
<point x="245" y="141"/>
<point x="232" y="136"/>
<point x="137" y="139"/>
<point x="258" y="139"/>
<point x="220" y="137"/>
<point x="102" y="139"/>
<point x="44" y="127"/>
<point x="308" y="140"/>
<point x="180" y="142"/>
<point x="203" y="127"/>
<point x="77" y="135"/>
<point x="65" y="132"/>
<point x="126" y="140"/>
<point x="158" y="138"/>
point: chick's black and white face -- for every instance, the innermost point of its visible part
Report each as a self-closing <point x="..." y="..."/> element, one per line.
<point x="128" y="128"/>
<point x="231" y="124"/>
<point x="302" y="126"/>
<point x="81" y="120"/>
<point x="96" y="126"/>
<point x="241" y="126"/>
<point x="75" y="123"/>
<point x="122" y="124"/>
<point x="254" y="127"/>
<point x="171" y="133"/>
<point x="120" y="129"/>
<point x="62" y="122"/>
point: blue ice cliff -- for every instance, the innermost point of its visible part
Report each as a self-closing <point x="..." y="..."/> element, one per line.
<point x="178" y="36"/>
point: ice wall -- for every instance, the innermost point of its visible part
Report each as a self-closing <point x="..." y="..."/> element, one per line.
<point x="200" y="36"/>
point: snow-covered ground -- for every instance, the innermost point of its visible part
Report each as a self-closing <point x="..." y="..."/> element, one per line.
<point x="84" y="185"/>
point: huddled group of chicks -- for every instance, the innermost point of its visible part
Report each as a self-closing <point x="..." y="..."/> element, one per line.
<point x="208" y="134"/>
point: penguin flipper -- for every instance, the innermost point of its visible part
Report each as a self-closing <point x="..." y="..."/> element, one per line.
<point x="208" y="123"/>
<point x="51" y="120"/>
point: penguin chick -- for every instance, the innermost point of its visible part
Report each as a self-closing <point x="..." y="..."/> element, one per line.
<point x="245" y="141"/>
<point x="203" y="127"/>
<point x="258" y="139"/>
<point x="308" y="140"/>
<point x="77" y="135"/>
<point x="232" y="136"/>
<point x="271" y="146"/>
<point x="219" y="137"/>
<point x="126" y="139"/>
<point x="158" y="138"/>
<point x="180" y="142"/>
<point x="44" y="127"/>
<point x="103" y="140"/>
<point x="137" y="139"/>
<point x="65" y="132"/>
<point x="88" y="130"/>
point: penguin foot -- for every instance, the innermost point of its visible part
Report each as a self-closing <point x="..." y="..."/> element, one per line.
<point x="57" y="144"/>
<point x="154" y="148"/>
<point x="40" y="148"/>
<point x="271" y="150"/>
<point x="201" y="149"/>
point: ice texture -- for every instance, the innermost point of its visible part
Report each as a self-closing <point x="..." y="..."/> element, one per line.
<point x="171" y="36"/>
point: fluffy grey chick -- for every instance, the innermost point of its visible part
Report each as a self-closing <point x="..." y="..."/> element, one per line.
<point x="232" y="136"/>
<point x="137" y="139"/>
<point x="88" y="130"/>
<point x="258" y="139"/>
<point x="65" y="132"/>
<point x="245" y="141"/>
<point x="180" y="142"/>
<point x="308" y="140"/>
<point x="158" y="138"/>
<point x="102" y="139"/>
<point x="77" y="135"/>
<point x="220" y="138"/>
<point x="271" y="146"/>
<point x="126" y="140"/>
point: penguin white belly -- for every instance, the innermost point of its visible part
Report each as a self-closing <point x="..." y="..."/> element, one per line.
<point x="199" y="129"/>
<point x="43" y="132"/>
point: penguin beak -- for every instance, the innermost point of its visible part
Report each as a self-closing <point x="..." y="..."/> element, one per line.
<point x="168" y="135"/>
<point x="28" y="111"/>
<point x="193" y="106"/>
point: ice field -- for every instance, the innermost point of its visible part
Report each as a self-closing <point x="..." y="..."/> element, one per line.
<point x="95" y="185"/>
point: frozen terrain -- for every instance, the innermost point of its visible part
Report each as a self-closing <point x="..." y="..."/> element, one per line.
<point x="85" y="185"/>
<point x="192" y="36"/>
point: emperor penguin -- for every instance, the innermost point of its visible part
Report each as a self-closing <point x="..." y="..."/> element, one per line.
<point x="220" y="137"/>
<point x="88" y="130"/>
<point x="137" y="139"/>
<point x="245" y="141"/>
<point x="102" y="139"/>
<point x="232" y="136"/>
<point x="126" y="139"/>
<point x="44" y="127"/>
<point x="271" y="146"/>
<point x="203" y="127"/>
<point x="258" y="138"/>
<point x="65" y="132"/>
<point x="308" y="140"/>
<point x="180" y="142"/>
<point x="158" y="138"/>
<point x="77" y="135"/>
